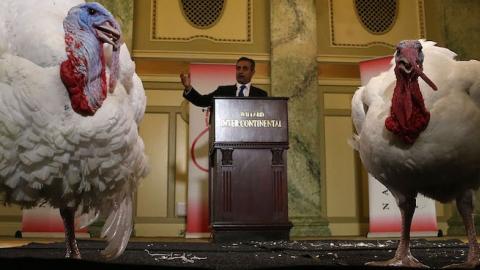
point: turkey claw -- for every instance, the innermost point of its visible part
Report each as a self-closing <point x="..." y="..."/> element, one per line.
<point x="465" y="265"/>
<point x="408" y="261"/>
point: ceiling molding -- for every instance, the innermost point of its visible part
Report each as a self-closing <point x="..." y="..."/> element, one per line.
<point x="344" y="58"/>
<point x="200" y="56"/>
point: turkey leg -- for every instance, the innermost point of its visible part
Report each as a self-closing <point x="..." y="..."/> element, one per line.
<point x="68" y="215"/>
<point x="465" y="208"/>
<point x="403" y="257"/>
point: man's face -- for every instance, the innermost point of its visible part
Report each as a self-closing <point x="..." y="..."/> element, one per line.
<point x="244" y="72"/>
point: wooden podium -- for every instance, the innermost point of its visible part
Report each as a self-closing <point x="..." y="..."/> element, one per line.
<point x="248" y="169"/>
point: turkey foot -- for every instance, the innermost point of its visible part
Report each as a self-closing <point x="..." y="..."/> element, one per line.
<point x="470" y="264"/>
<point x="68" y="215"/>
<point x="465" y="208"/>
<point x="72" y="253"/>
<point x="399" y="261"/>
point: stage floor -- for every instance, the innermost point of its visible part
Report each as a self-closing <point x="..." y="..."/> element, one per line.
<point x="154" y="253"/>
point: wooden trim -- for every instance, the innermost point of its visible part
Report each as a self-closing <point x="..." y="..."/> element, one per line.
<point x="340" y="91"/>
<point x="348" y="219"/>
<point x="337" y="112"/>
<point x="164" y="220"/>
<point x="11" y="218"/>
<point x="203" y="56"/>
<point x="334" y="58"/>
<point x="340" y="82"/>
<point x="163" y="109"/>
<point x="172" y="135"/>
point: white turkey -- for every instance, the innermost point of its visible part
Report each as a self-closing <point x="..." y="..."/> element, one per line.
<point x="64" y="139"/>
<point x="414" y="139"/>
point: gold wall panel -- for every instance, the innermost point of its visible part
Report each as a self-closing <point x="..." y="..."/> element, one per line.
<point x="354" y="228"/>
<point x="159" y="229"/>
<point x="164" y="97"/>
<point x="10" y="219"/>
<point x="181" y="164"/>
<point x="10" y="210"/>
<point x="160" y="66"/>
<point x="338" y="70"/>
<point x="346" y="29"/>
<point x="152" y="192"/>
<point x="340" y="182"/>
<point x="337" y="101"/>
<point x="234" y="25"/>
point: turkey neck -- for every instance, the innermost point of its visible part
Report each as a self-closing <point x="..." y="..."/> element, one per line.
<point x="83" y="73"/>
<point x="405" y="88"/>
<point x="408" y="115"/>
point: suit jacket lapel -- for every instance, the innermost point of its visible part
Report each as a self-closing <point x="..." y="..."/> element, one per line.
<point x="253" y="92"/>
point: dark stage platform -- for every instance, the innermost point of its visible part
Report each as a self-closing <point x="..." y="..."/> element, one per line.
<point x="301" y="254"/>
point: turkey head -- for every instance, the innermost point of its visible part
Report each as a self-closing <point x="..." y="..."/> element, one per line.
<point x="408" y="115"/>
<point x="87" y="28"/>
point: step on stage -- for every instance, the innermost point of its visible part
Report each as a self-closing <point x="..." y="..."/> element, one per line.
<point x="301" y="254"/>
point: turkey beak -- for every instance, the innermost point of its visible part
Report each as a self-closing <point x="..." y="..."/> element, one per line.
<point x="108" y="34"/>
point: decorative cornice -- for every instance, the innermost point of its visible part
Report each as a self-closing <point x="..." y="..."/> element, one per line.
<point x="199" y="56"/>
<point x="332" y="58"/>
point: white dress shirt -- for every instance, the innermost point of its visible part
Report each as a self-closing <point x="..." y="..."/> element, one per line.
<point x="246" y="91"/>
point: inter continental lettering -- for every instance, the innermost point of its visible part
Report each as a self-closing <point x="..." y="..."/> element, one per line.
<point x="251" y="123"/>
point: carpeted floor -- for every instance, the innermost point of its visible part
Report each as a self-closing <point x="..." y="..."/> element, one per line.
<point x="304" y="254"/>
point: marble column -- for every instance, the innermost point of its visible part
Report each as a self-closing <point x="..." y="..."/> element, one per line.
<point x="294" y="75"/>
<point x="123" y="12"/>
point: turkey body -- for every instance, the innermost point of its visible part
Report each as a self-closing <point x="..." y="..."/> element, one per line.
<point x="49" y="153"/>
<point x="446" y="151"/>
<point x="441" y="159"/>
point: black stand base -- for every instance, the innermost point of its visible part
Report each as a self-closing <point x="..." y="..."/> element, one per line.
<point x="242" y="233"/>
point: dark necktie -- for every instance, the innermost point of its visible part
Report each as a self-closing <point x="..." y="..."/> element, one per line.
<point x="240" y="94"/>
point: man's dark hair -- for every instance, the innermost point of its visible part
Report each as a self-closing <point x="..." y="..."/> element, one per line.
<point x="252" y="62"/>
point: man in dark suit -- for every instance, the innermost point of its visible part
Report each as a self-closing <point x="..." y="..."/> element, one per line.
<point x="245" y="68"/>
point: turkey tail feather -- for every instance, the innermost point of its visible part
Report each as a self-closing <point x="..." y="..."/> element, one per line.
<point x="118" y="228"/>
<point x="85" y="219"/>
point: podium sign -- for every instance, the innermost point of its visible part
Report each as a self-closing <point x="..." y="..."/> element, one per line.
<point x="248" y="169"/>
<point x="250" y="120"/>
